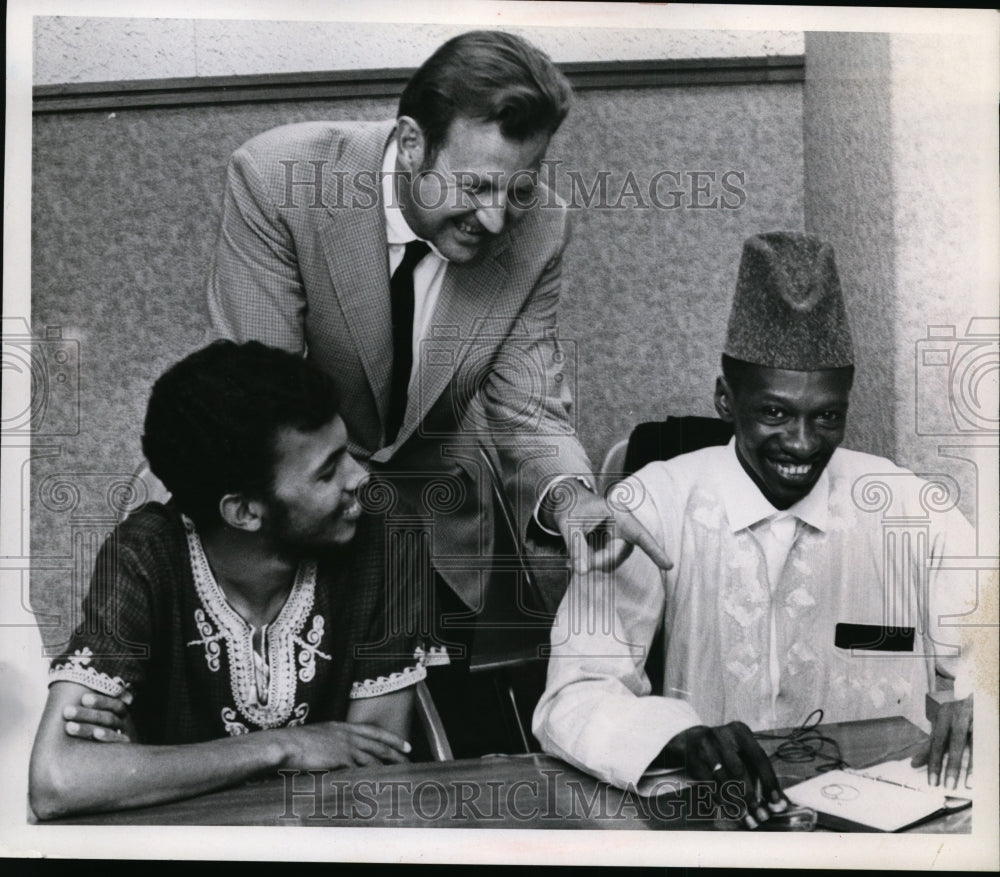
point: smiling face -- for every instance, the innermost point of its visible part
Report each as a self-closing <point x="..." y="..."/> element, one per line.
<point x="477" y="182"/>
<point x="787" y="425"/>
<point x="313" y="503"/>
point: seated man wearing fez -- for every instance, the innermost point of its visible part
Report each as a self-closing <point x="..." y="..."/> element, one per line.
<point x="782" y="598"/>
<point x="230" y="620"/>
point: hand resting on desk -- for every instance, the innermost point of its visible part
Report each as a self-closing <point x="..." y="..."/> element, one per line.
<point x="951" y="735"/>
<point x="75" y="774"/>
<point x="103" y="719"/>
<point x="729" y="754"/>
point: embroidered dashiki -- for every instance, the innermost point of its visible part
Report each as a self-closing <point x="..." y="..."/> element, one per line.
<point x="750" y="610"/>
<point x="157" y="623"/>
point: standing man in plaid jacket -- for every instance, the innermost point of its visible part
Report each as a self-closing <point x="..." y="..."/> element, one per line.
<point x="319" y="218"/>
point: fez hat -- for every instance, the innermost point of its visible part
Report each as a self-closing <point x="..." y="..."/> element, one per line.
<point x="788" y="311"/>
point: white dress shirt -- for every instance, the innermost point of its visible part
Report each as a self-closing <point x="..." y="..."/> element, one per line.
<point x="428" y="275"/>
<point x="429" y="271"/>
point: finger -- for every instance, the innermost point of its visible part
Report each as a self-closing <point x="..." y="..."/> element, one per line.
<point x="385" y="754"/>
<point x="606" y="551"/>
<point x="922" y="757"/>
<point x="939" y="736"/>
<point x="748" y="789"/>
<point x="580" y="555"/>
<point x="101" y="718"/>
<point x="958" y="740"/>
<point x="117" y="705"/>
<point x="612" y="556"/>
<point x="634" y="532"/>
<point x="736" y="768"/>
<point x="731" y="760"/>
<point x="362" y="758"/>
<point x="107" y="735"/>
<point x="374" y="732"/>
<point x="84" y="731"/>
<point x="712" y="761"/>
<point x="768" y="795"/>
<point x="598" y="542"/>
<point x="701" y="756"/>
<point x="748" y="786"/>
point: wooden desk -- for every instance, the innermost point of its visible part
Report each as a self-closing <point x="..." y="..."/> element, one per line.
<point x="510" y="791"/>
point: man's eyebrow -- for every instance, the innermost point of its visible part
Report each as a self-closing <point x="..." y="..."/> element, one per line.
<point x="773" y="396"/>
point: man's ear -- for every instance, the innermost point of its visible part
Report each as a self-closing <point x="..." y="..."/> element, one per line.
<point x="411" y="144"/>
<point x="723" y="399"/>
<point x="241" y="513"/>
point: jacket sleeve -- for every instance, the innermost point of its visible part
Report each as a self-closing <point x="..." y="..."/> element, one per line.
<point x="255" y="291"/>
<point x="528" y="398"/>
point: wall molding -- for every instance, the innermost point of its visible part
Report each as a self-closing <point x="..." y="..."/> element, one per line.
<point x="584" y="76"/>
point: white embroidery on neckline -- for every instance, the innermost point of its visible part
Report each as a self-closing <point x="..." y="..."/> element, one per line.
<point x="282" y="636"/>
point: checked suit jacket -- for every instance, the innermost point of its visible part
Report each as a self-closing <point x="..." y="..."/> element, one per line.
<point x="302" y="264"/>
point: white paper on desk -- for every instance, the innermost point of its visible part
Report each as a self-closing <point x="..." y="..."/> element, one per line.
<point x="884" y="797"/>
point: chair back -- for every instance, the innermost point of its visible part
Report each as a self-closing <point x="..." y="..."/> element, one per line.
<point x="664" y="440"/>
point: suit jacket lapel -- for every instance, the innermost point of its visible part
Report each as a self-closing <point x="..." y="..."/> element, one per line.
<point x="356" y="252"/>
<point x="469" y="294"/>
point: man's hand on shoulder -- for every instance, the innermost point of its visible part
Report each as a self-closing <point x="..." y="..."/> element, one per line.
<point x="598" y="535"/>
<point x="731" y="757"/>
<point x="98" y="717"/>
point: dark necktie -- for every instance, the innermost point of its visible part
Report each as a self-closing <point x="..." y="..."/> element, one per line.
<point x="401" y="297"/>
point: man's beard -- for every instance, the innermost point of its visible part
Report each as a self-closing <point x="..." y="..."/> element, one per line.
<point x="285" y="540"/>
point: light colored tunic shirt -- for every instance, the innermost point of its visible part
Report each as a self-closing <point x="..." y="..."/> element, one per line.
<point x="751" y="606"/>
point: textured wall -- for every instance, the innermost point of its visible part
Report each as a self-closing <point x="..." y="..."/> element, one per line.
<point x="849" y="202"/>
<point x="901" y="178"/>
<point x="648" y="289"/>
<point x="946" y="232"/>
<point x="69" y="49"/>
<point x="125" y="207"/>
